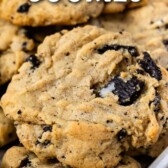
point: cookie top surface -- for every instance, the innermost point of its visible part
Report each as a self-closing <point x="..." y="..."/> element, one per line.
<point x="95" y="90"/>
<point x="23" y="12"/>
<point x="14" y="48"/>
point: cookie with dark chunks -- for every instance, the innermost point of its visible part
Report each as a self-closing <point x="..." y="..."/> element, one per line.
<point x="19" y="157"/>
<point x="154" y="27"/>
<point x="14" y="48"/>
<point x="43" y="13"/>
<point x="7" y="130"/>
<point x="94" y="103"/>
<point x="129" y="21"/>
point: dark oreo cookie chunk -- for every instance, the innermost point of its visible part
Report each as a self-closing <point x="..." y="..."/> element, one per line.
<point x="34" y="61"/>
<point x="150" y="67"/>
<point x="47" y="128"/>
<point x="128" y="92"/>
<point x="140" y="71"/>
<point x="24" y="8"/>
<point x="121" y="134"/>
<point x="132" y="50"/>
<point x="25" y="163"/>
<point x="46" y="142"/>
<point x="24" y="46"/>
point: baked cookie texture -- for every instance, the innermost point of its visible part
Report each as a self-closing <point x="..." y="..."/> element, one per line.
<point x="43" y="13"/>
<point x="135" y="20"/>
<point x="86" y="100"/>
<point x="19" y="157"/>
<point x="23" y="12"/>
<point x="155" y="150"/>
<point x="14" y="48"/>
<point x="149" y="32"/>
<point x="114" y="7"/>
<point x="7" y="130"/>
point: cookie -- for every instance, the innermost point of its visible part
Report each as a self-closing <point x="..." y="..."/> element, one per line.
<point x="151" y="1"/>
<point x="18" y="157"/>
<point x="155" y="150"/>
<point x="14" y="48"/>
<point x="26" y="13"/>
<point x="7" y="130"/>
<point x="85" y="100"/>
<point x="43" y="13"/>
<point x="128" y="162"/>
<point x="137" y="4"/>
<point x="154" y="28"/>
<point x="155" y="41"/>
<point x="135" y="21"/>
<point x="114" y="7"/>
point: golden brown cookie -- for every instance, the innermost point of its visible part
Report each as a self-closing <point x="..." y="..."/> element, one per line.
<point x="149" y="32"/>
<point x="85" y="100"/>
<point x="43" y="13"/>
<point x="18" y="157"/>
<point x="114" y="7"/>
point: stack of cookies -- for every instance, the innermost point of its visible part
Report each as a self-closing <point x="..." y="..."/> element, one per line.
<point x="83" y="85"/>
